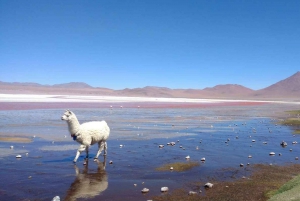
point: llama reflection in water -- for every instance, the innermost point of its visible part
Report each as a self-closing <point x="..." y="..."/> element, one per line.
<point x="88" y="185"/>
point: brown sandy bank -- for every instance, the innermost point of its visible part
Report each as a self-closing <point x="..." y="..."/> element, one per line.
<point x="260" y="186"/>
<point x="15" y="139"/>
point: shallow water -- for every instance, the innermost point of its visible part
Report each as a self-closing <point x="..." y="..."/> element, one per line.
<point x="48" y="170"/>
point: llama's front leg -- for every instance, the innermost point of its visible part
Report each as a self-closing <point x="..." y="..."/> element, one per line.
<point x="80" y="149"/>
<point x="101" y="146"/>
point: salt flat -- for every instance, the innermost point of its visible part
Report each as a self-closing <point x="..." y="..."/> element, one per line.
<point x="78" y="98"/>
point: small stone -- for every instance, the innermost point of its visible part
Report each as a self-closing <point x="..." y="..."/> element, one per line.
<point x="29" y="177"/>
<point x="241" y="165"/>
<point x="279" y="154"/>
<point x="135" y="184"/>
<point x="18" y="156"/>
<point x="249" y="156"/>
<point x="296" y="158"/>
<point x="208" y="185"/>
<point x="291" y="149"/>
<point x="253" y="140"/>
<point x="145" y="190"/>
<point x="110" y="162"/>
<point x="56" y="198"/>
<point x="11" y="147"/>
<point x="121" y="145"/>
<point x="164" y="189"/>
<point x="272" y="153"/>
<point x="203" y="159"/>
<point x="84" y="163"/>
<point x="171" y="168"/>
<point x="161" y="146"/>
<point x="192" y="193"/>
<point x="187" y="157"/>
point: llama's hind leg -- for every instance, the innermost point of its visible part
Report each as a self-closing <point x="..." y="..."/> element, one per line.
<point x="87" y="152"/>
<point x="105" y="149"/>
<point x="80" y="149"/>
<point x="101" y="146"/>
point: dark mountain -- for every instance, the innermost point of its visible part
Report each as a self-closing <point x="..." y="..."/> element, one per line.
<point x="289" y="87"/>
<point x="73" y="85"/>
<point x="229" y="90"/>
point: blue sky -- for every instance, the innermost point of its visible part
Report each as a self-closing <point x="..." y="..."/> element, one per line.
<point x="135" y="43"/>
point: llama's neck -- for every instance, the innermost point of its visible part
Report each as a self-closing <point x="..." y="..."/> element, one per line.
<point x="74" y="126"/>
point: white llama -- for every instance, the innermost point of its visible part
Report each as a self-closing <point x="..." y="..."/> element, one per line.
<point x="87" y="134"/>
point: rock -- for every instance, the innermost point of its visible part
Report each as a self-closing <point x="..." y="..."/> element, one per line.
<point x="110" y="162"/>
<point x="208" y="185"/>
<point x="18" y="156"/>
<point x="121" y="145"/>
<point x="272" y="153"/>
<point x="56" y="198"/>
<point x="164" y="189"/>
<point x="135" y="184"/>
<point x="161" y="146"/>
<point x="253" y="140"/>
<point x="171" y="168"/>
<point x="296" y="158"/>
<point x="249" y="156"/>
<point x="202" y="159"/>
<point x="145" y="190"/>
<point x="283" y="143"/>
<point x="192" y="192"/>
<point x="187" y="157"/>
<point x="241" y="165"/>
<point x="11" y="147"/>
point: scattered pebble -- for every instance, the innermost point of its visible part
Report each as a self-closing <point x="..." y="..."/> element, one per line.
<point x="272" y="153"/>
<point x="171" y="168"/>
<point x="192" y="193"/>
<point x="187" y="157"/>
<point x="121" y="145"/>
<point x="18" y="156"/>
<point x="161" y="146"/>
<point x="296" y="158"/>
<point x="145" y="190"/>
<point x="241" y="165"/>
<point x="249" y="156"/>
<point x="208" y="185"/>
<point x="203" y="159"/>
<point x="29" y="177"/>
<point x="110" y="162"/>
<point x="164" y="189"/>
<point x="135" y="184"/>
<point x="11" y="147"/>
<point x="56" y="198"/>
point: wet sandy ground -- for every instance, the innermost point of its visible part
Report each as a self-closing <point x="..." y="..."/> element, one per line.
<point x="48" y="170"/>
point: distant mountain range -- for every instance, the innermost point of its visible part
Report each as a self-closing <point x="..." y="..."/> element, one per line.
<point x="287" y="88"/>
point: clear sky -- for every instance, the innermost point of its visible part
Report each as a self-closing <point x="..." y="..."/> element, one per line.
<point x="136" y="43"/>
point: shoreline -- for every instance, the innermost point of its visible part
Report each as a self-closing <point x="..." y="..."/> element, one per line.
<point x="29" y="102"/>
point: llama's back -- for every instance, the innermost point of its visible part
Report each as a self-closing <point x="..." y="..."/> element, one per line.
<point x="98" y="130"/>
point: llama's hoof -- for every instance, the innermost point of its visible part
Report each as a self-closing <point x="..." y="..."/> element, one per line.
<point x="104" y="154"/>
<point x="74" y="161"/>
<point x="95" y="159"/>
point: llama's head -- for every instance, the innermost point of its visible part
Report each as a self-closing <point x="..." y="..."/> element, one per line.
<point x="68" y="116"/>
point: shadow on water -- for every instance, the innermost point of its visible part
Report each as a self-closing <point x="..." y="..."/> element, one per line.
<point x="88" y="184"/>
